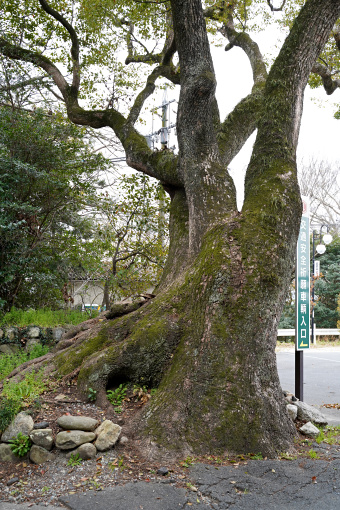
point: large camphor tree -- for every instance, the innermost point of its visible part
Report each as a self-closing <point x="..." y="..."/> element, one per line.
<point x="207" y="339"/>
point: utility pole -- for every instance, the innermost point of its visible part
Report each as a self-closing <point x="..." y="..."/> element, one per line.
<point x="163" y="133"/>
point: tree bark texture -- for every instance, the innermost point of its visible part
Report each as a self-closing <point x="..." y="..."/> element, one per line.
<point x="207" y="340"/>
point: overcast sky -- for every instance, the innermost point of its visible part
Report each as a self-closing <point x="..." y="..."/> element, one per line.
<point x="320" y="132"/>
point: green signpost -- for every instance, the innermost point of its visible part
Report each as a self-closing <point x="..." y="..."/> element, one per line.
<point x="302" y="297"/>
<point x="302" y="282"/>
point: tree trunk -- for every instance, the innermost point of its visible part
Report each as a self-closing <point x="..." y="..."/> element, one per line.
<point x="207" y="340"/>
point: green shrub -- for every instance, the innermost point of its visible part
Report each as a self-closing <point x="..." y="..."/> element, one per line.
<point x="92" y="394"/>
<point x="17" y="394"/>
<point x="45" y="317"/>
<point x="8" y="362"/>
<point x="37" y="351"/>
<point x="20" y="445"/>
<point x="74" y="460"/>
<point x="9" y="408"/>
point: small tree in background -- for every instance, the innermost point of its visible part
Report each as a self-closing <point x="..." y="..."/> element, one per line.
<point x="327" y="287"/>
<point x="129" y="243"/>
<point x="326" y="291"/>
<point x="319" y="180"/>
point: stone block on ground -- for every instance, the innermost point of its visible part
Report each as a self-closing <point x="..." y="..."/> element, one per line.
<point x="6" y="349"/>
<point x="43" y="438"/>
<point x="309" y="413"/>
<point x="308" y="429"/>
<point x="6" y="454"/>
<point x="77" y="423"/>
<point x="107" y="435"/>
<point x="69" y="440"/>
<point x="57" y="333"/>
<point x="32" y="342"/>
<point x="23" y="423"/>
<point x="39" y="455"/>
<point x="11" y="333"/>
<point x="33" y="332"/>
<point x="292" y="411"/>
<point x="85" y="451"/>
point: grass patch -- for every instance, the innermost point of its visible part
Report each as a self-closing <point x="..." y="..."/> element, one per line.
<point x="45" y="317"/>
<point x="9" y="362"/>
<point x="17" y="396"/>
<point x="329" y="435"/>
<point x="313" y="454"/>
<point x="27" y="390"/>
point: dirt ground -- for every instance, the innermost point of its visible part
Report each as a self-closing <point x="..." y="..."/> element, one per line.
<point x="44" y="484"/>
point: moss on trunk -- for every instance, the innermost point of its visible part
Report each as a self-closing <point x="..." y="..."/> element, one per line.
<point x="208" y="343"/>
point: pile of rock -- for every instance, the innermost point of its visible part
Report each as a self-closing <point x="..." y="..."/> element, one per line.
<point x="80" y="435"/>
<point x="301" y="411"/>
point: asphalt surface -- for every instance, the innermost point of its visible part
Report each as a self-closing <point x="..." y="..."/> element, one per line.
<point x="258" y="485"/>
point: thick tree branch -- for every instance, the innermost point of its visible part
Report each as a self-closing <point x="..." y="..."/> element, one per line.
<point x="273" y="164"/>
<point x="160" y="165"/>
<point x="330" y="85"/>
<point x="74" y="39"/>
<point x="17" y="53"/>
<point x="142" y="96"/>
<point x="251" y="49"/>
<point x="197" y="124"/>
<point x="239" y="125"/>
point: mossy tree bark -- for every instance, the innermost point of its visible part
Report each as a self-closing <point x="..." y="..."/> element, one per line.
<point x="207" y="340"/>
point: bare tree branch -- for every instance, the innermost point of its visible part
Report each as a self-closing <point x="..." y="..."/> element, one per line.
<point x="272" y="8"/>
<point x="329" y="84"/>
<point x="250" y="47"/>
<point x="319" y="180"/>
<point x="74" y="38"/>
<point x="23" y="83"/>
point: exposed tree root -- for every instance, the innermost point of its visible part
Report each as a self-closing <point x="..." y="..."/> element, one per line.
<point x="19" y="373"/>
<point x="208" y="350"/>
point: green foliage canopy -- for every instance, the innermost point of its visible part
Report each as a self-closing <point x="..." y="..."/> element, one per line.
<point x="48" y="173"/>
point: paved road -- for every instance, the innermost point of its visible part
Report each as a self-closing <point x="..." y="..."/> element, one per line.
<point x="321" y="378"/>
<point x="259" y="485"/>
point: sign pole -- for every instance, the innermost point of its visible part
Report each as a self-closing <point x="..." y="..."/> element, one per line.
<point x="299" y="375"/>
<point x="302" y="298"/>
